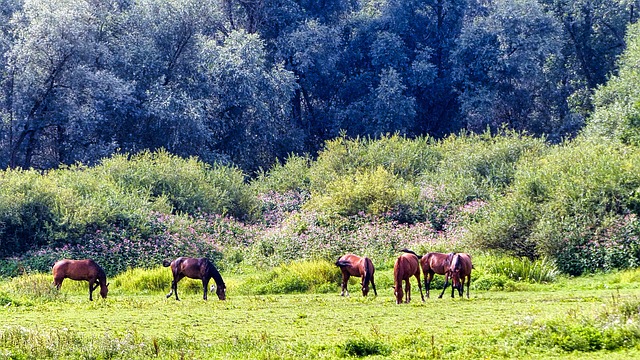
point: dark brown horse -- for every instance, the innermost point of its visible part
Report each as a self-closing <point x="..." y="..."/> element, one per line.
<point x="459" y="272"/>
<point x="406" y="266"/>
<point x="195" y="268"/>
<point x="354" y="265"/>
<point x="433" y="263"/>
<point x="87" y="270"/>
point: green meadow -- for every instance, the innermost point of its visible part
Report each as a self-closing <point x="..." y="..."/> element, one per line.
<point x="572" y="318"/>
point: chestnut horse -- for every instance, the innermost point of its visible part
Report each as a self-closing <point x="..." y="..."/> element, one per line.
<point x="433" y="263"/>
<point x="460" y="271"/>
<point x="354" y="265"/>
<point x="195" y="268"/>
<point x="406" y="266"/>
<point x="87" y="270"/>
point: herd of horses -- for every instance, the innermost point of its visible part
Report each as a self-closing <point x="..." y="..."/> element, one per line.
<point x="454" y="266"/>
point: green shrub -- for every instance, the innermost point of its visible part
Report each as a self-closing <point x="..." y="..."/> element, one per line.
<point x="189" y="185"/>
<point x="523" y="269"/>
<point x="404" y="158"/>
<point x="575" y="204"/>
<point x="295" y="277"/>
<point x="364" y="347"/>
<point x="375" y="192"/>
<point x="292" y="175"/>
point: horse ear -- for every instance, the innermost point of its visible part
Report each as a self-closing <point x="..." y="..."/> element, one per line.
<point x="107" y="285"/>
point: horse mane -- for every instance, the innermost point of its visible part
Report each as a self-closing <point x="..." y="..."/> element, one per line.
<point x="215" y="274"/>
<point x="368" y="266"/>
<point x="411" y="252"/>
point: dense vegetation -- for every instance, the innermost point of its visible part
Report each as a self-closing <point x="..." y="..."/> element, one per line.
<point x="575" y="204"/>
<point x="248" y="82"/>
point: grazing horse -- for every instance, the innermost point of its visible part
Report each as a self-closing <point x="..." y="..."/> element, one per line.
<point x="459" y="271"/>
<point x="433" y="263"/>
<point x="195" y="269"/>
<point x="354" y="265"/>
<point x="406" y="266"/>
<point x="87" y="270"/>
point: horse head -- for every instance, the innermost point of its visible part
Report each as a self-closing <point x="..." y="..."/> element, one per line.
<point x="399" y="294"/>
<point x="104" y="290"/>
<point x="365" y="290"/>
<point x="221" y="292"/>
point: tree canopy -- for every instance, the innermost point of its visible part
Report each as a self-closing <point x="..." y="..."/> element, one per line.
<point x="250" y="82"/>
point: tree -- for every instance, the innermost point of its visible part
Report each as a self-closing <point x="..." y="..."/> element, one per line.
<point x="617" y="103"/>
<point x="505" y="66"/>
<point x="56" y="90"/>
<point x="249" y="102"/>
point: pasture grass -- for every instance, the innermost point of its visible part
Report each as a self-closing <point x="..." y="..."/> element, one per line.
<point x="586" y="317"/>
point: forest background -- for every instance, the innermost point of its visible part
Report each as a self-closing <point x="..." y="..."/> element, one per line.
<point x="275" y="130"/>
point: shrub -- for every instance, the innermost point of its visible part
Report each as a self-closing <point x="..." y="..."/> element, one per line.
<point x="364" y="347"/>
<point x="573" y="205"/>
<point x="523" y="269"/>
<point x="189" y="185"/>
<point x="295" y="277"/>
<point x="373" y="192"/>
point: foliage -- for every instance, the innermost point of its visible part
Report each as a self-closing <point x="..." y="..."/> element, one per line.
<point x="296" y="277"/>
<point x="523" y="269"/>
<point x="576" y="205"/>
<point x="616" y="111"/>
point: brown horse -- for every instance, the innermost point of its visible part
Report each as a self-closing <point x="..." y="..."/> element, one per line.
<point x="87" y="270"/>
<point x="406" y="266"/>
<point x="433" y="263"/>
<point x="459" y="271"/>
<point x="354" y="265"/>
<point x="195" y="268"/>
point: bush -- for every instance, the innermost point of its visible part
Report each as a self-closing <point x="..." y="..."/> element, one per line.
<point x="374" y="192"/>
<point x="523" y="269"/>
<point x="364" y="347"/>
<point x="295" y="277"/>
<point x="575" y="205"/>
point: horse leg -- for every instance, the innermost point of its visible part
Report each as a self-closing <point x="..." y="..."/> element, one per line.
<point x="57" y="283"/>
<point x="172" y="285"/>
<point x="205" y="282"/>
<point x="446" y="283"/>
<point x="407" y="289"/>
<point x="427" y="282"/>
<point x="91" y="288"/>
<point x="345" y="281"/>
<point x="420" y="285"/>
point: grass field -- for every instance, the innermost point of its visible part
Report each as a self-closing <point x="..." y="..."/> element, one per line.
<point x="530" y="322"/>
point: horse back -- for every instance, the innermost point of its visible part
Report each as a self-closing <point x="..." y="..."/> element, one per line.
<point x="437" y="263"/>
<point x="352" y="264"/>
<point x="78" y="270"/>
<point x="406" y="266"/>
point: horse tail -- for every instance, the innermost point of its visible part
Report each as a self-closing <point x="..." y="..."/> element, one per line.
<point x="411" y="252"/>
<point x="166" y="263"/>
<point x="342" y="263"/>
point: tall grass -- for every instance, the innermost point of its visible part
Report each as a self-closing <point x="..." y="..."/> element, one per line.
<point x="522" y="269"/>
<point x="296" y="277"/>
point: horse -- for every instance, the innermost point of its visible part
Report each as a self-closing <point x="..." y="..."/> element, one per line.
<point x="406" y="266"/>
<point x="86" y="269"/>
<point x="195" y="268"/>
<point x="354" y="265"/>
<point x="459" y="271"/>
<point x="433" y="263"/>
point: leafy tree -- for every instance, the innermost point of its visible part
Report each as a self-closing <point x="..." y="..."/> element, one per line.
<point x="617" y="103"/>
<point x="504" y="62"/>
<point x="58" y="92"/>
